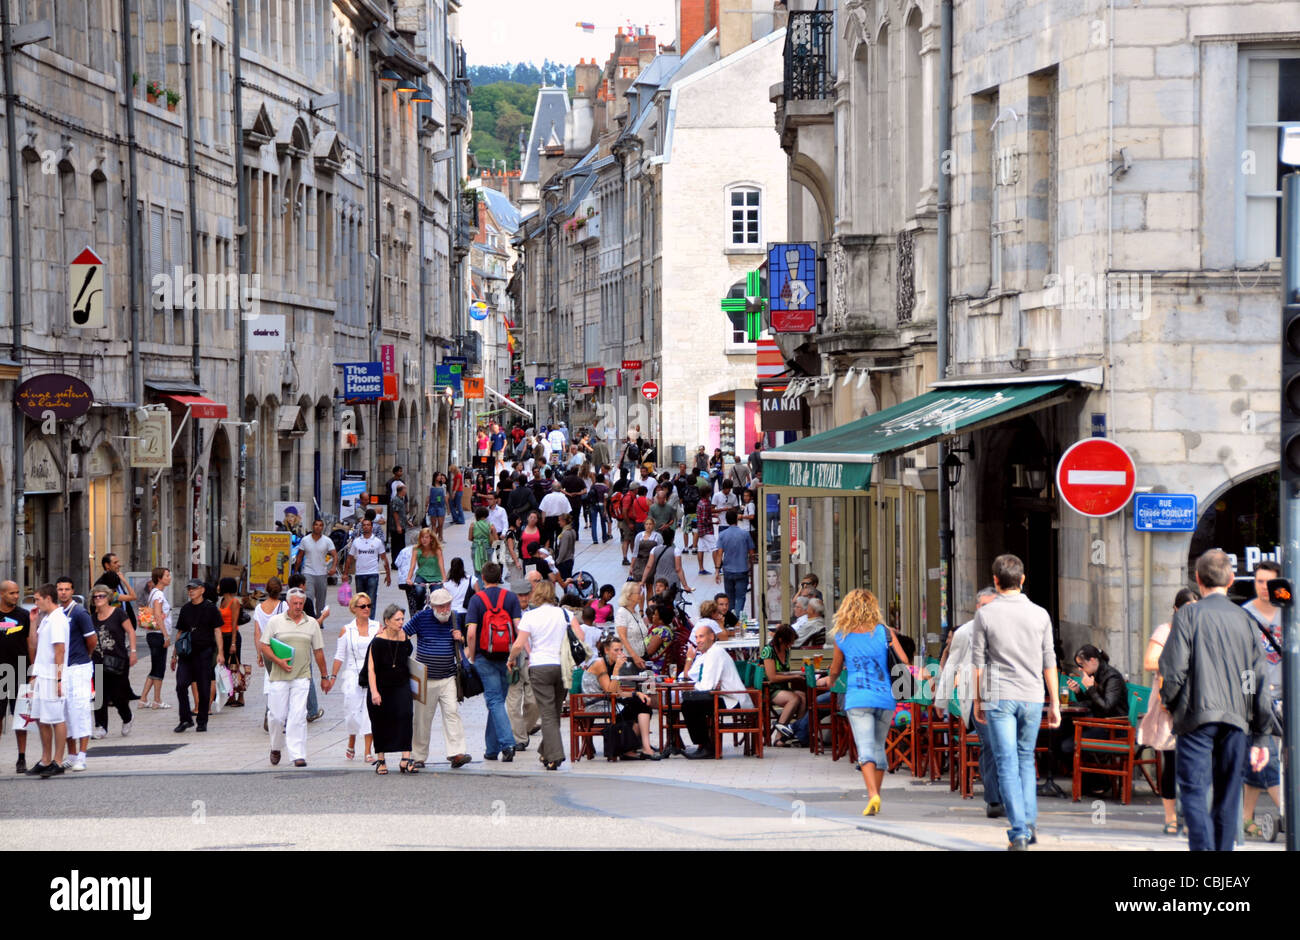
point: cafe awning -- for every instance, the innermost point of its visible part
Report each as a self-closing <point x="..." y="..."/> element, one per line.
<point x="507" y="402"/>
<point x="199" y="407"/>
<point x="841" y="459"/>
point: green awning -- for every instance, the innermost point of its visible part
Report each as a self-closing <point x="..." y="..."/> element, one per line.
<point x="841" y="459"/>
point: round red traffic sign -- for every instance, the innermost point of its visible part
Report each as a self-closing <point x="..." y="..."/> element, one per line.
<point x="650" y="390"/>
<point x="1096" y="477"/>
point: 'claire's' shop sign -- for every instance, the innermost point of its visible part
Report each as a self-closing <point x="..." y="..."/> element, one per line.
<point x="65" y="395"/>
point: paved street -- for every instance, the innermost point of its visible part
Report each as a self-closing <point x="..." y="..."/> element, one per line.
<point x="788" y="799"/>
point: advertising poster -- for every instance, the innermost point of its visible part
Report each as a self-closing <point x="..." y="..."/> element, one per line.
<point x="268" y="556"/>
<point x="288" y="516"/>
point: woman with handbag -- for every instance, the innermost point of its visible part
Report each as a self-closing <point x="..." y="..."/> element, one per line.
<point x="158" y="637"/>
<point x="118" y="651"/>
<point x="862" y="645"/>
<point x="233" y="615"/>
<point x="349" y="660"/>
<point x="1157" y="727"/>
<point x="388" y="680"/>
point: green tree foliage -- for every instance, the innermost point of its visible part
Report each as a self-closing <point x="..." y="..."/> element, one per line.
<point x="503" y="98"/>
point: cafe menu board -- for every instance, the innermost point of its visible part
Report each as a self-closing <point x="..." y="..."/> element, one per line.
<point x="66" y="396"/>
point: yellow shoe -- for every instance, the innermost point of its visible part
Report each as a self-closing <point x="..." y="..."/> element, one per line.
<point x="873" y="807"/>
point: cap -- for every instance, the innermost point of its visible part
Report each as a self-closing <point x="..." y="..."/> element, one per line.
<point x="522" y="586"/>
<point x="440" y="596"/>
<point x="194" y="583"/>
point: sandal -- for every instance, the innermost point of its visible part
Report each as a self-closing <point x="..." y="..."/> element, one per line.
<point x="407" y="766"/>
<point x="1251" y="829"/>
<point x="1172" y="829"/>
<point x="350" y="754"/>
<point x="381" y="767"/>
<point x="370" y="758"/>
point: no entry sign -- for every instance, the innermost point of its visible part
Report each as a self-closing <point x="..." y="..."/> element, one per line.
<point x="1096" y="477"/>
<point x="650" y="390"/>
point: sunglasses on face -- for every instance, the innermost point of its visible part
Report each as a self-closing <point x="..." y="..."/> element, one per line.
<point x="95" y="597"/>
<point x="363" y="606"/>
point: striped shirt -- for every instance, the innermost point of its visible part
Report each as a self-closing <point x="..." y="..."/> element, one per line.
<point x="434" y="644"/>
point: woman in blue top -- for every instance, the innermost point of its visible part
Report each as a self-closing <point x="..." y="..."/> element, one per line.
<point x="860" y="642"/>
<point x="437" y="511"/>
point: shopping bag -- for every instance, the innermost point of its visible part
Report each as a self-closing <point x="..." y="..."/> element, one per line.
<point x="225" y="685"/>
<point x="345" y="593"/>
<point x="26" y="708"/>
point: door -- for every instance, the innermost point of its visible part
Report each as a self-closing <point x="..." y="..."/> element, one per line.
<point x="101" y="539"/>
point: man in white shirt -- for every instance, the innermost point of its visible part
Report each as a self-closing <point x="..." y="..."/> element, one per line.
<point x="554" y="504"/>
<point x="364" y="558"/>
<point x="48" y="647"/>
<point x="958" y="676"/>
<point x="557" y="440"/>
<point x="546" y="448"/>
<point x="813" y="622"/>
<point x="497" y="516"/>
<point x="317" y="560"/>
<point x="712" y="670"/>
<point x="723" y="500"/>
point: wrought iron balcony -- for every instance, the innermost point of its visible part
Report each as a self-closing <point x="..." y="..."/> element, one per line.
<point x="466" y="222"/>
<point x="808" y="41"/>
<point x="458" y="92"/>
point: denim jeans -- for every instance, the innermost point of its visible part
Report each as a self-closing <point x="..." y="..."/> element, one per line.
<point x="737" y="588"/>
<point x="1211" y="759"/>
<point x="457" y="508"/>
<point x="1013" y="732"/>
<point x="801" y="726"/>
<point x="497" y="735"/>
<point x="988" y="767"/>
<point x="369" y="584"/>
<point x="596" y="520"/>
<point x="870" y="727"/>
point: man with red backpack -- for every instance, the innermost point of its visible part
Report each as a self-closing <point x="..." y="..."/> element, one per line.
<point x="635" y="510"/>
<point x="491" y="622"/>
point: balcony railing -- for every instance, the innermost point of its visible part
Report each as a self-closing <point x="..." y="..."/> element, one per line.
<point x="458" y="110"/>
<point x="466" y="222"/>
<point x="808" y="40"/>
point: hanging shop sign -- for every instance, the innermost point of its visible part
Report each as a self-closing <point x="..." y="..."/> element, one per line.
<point x="792" y="287"/>
<point x="67" y="396"/>
<point x="783" y="414"/>
<point x="152" y="440"/>
<point x="363" y="381"/>
<point x="40" y="472"/>
<point x="596" y="376"/>
<point x="473" y="388"/>
<point x="266" y="333"/>
<point x="388" y="357"/>
<point x="86" y="288"/>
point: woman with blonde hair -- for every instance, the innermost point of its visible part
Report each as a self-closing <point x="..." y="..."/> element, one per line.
<point x="349" y="661"/>
<point x="426" y="571"/>
<point x="630" y="626"/>
<point x="861" y="641"/>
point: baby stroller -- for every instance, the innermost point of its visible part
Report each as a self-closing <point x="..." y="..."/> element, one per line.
<point x="584" y="585"/>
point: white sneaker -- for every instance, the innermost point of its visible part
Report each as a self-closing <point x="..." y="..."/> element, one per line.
<point x="126" y="728"/>
<point x="99" y="733"/>
<point x="80" y="763"/>
<point x="68" y="762"/>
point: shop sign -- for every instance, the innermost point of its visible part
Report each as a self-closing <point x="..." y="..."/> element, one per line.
<point x="40" y="472"/>
<point x="473" y="388"/>
<point x="792" y="287"/>
<point x="821" y="474"/>
<point x="363" y="381"/>
<point x="65" y="395"/>
<point x="781" y="413"/>
<point x="596" y="376"/>
<point x="152" y="444"/>
<point x="266" y="333"/>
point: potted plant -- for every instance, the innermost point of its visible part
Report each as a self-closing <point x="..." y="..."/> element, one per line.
<point x="173" y="98"/>
<point x="153" y="90"/>
<point x="135" y="79"/>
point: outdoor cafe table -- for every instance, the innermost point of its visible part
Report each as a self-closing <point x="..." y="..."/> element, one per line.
<point x="742" y="647"/>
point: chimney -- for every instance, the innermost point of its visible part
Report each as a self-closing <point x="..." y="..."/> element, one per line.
<point x="587" y="78"/>
<point x="737" y="28"/>
<point x="645" y="46"/>
<point x="694" y="19"/>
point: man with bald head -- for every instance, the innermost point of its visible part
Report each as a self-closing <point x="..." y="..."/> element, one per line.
<point x="712" y="670"/>
<point x="15" y="628"/>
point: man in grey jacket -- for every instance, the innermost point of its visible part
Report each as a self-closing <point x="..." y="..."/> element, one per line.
<point x="1214" y="683"/>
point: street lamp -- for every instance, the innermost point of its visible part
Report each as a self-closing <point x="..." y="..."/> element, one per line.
<point x="952" y="465"/>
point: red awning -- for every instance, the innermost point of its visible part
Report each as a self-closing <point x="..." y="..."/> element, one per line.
<point x="199" y="406"/>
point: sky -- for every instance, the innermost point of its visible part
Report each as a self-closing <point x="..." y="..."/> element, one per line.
<point x="499" y="31"/>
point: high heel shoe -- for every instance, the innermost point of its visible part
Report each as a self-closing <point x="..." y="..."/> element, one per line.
<point x="407" y="766"/>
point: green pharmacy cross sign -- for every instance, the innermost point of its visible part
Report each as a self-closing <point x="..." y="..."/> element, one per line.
<point x="753" y="305"/>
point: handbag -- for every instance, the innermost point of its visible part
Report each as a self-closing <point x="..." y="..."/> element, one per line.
<point x="900" y="676"/>
<point x="468" y="683"/>
<point x="1157" y="727"/>
<point x="345" y="594"/>
<point x="618" y="738"/>
<point x="184" y="643"/>
<point x="577" y="649"/>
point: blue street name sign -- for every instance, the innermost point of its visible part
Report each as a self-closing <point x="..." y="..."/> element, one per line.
<point x="1164" y="512"/>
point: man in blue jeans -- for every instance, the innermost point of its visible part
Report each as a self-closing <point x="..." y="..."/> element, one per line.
<point x="498" y="736"/>
<point x="1214" y="682"/>
<point x="733" y="559"/>
<point x="1012" y="651"/>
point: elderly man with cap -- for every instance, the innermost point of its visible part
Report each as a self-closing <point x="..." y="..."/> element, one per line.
<point x="521" y="705"/>
<point x="290" y="678"/>
<point x="436" y="636"/>
<point x="201" y="620"/>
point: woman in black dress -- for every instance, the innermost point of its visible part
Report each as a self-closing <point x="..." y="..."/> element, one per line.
<point x="390" y="691"/>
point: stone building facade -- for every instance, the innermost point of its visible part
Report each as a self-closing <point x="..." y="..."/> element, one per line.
<point x="1113" y="190"/>
<point x="347" y="212"/>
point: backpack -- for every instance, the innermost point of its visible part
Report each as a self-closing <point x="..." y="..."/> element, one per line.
<point x="633" y="452"/>
<point x="616" y="505"/>
<point x="497" y="631"/>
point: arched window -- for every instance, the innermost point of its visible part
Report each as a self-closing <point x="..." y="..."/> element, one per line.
<point x="744" y="215"/>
